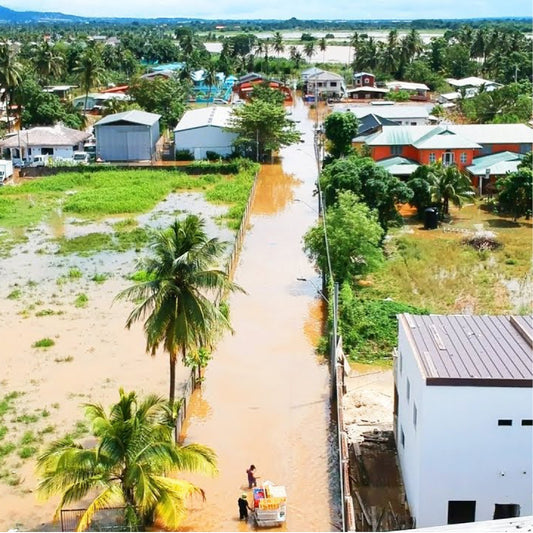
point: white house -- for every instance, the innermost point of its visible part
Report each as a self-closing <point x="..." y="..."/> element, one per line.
<point x="203" y="130"/>
<point x="325" y="84"/>
<point x="464" y="415"/>
<point x="473" y="84"/>
<point x="57" y="142"/>
<point x="417" y="91"/>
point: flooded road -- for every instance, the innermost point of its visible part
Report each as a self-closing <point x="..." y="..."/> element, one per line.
<point x="265" y="399"/>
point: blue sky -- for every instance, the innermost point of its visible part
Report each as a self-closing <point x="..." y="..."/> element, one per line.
<point x="280" y="9"/>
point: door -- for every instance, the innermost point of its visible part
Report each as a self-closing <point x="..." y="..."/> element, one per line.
<point x="448" y="158"/>
<point x="461" y="511"/>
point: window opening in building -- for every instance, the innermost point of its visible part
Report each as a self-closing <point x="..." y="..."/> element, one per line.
<point x="461" y="511"/>
<point x="527" y="422"/>
<point x="505" y="422"/>
<point x="402" y="437"/>
<point x="506" y="510"/>
<point x="432" y="157"/>
<point x="408" y="393"/>
<point x="415" y="415"/>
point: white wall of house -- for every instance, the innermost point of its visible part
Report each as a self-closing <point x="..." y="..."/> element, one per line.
<point x="58" y="152"/>
<point x="205" y="139"/>
<point x="457" y="451"/>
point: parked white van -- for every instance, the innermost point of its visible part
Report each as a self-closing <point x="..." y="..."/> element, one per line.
<point x="81" y="158"/>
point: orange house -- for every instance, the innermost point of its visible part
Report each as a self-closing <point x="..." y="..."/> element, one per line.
<point x="452" y="144"/>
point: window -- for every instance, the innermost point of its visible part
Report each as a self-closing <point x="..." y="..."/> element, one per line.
<point x="366" y="81"/>
<point x="432" y="157"/>
<point x="47" y="151"/>
<point x="333" y="84"/>
<point x="415" y="415"/>
<point x="505" y="422"/>
<point x="413" y="123"/>
<point x="525" y="148"/>
<point x="460" y="512"/>
<point x="506" y="510"/>
<point x="408" y="393"/>
<point x="396" y="150"/>
<point x="400" y="360"/>
<point x="402" y="438"/>
<point x="527" y="422"/>
<point x="463" y="157"/>
<point x="448" y="158"/>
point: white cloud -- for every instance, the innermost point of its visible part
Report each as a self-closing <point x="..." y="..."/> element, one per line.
<point x="279" y="9"/>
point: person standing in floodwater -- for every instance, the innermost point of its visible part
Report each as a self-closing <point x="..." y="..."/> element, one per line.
<point x="252" y="478"/>
<point x="243" y="507"/>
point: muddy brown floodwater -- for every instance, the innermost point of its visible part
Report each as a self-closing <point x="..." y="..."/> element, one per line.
<point x="265" y="399"/>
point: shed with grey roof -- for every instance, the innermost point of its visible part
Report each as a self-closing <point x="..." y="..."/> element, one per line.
<point x="128" y="136"/>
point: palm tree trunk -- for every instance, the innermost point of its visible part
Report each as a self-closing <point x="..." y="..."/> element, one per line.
<point x="172" y="392"/>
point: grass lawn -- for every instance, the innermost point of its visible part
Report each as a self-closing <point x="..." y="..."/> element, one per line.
<point x="434" y="271"/>
<point x="437" y="271"/>
<point x="95" y="195"/>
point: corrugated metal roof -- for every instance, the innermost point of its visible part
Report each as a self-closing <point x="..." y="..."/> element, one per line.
<point x="472" y="81"/>
<point x="407" y="85"/>
<point x="443" y="138"/>
<point x="495" y="133"/>
<point x="324" y="75"/>
<point x="498" y="164"/>
<point x="391" y="111"/>
<point x="474" y="350"/>
<point x="57" y="135"/>
<point x="398" y="166"/>
<point x="476" y="133"/>
<point x="134" y="116"/>
<point x="218" y="116"/>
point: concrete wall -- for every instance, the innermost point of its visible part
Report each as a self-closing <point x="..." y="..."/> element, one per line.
<point x="207" y="138"/>
<point x="457" y="450"/>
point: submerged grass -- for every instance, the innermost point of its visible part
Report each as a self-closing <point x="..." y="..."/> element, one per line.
<point x="111" y="192"/>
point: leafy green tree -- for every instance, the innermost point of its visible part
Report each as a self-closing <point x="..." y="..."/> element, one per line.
<point x="516" y="190"/>
<point x="420" y="184"/>
<point x="263" y="91"/>
<point x="166" y="97"/>
<point x="262" y="128"/>
<point x="353" y="239"/>
<point x="448" y="184"/>
<point x="44" y="109"/>
<point x="179" y="301"/>
<point x="133" y="464"/>
<point x="340" y="129"/>
<point x="10" y="75"/>
<point x="376" y="187"/>
<point x="90" y="70"/>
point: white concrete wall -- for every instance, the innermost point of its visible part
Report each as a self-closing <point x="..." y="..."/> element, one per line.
<point x="458" y="451"/>
<point x="201" y="140"/>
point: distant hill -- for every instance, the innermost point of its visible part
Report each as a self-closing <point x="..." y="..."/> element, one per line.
<point x="9" y="16"/>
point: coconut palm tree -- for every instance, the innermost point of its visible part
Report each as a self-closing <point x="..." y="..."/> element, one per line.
<point x="211" y="79"/>
<point x="90" y="70"/>
<point x="448" y="184"/>
<point x="48" y="63"/>
<point x="10" y="76"/>
<point x="132" y="465"/>
<point x="322" y="44"/>
<point x="309" y="49"/>
<point x="278" y="43"/>
<point x="181" y="296"/>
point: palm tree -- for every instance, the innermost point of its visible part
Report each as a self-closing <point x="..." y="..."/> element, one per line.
<point x="295" y="56"/>
<point x="131" y="464"/>
<point x="211" y="79"/>
<point x="448" y="184"/>
<point x="278" y="43"/>
<point x="181" y="296"/>
<point x="309" y="49"/>
<point x="48" y="63"/>
<point x="322" y="44"/>
<point x="90" y="70"/>
<point x="10" y="76"/>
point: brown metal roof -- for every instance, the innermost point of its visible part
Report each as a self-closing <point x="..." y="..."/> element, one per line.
<point x="473" y="350"/>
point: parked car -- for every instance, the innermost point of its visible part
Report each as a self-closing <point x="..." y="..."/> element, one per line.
<point x="81" y="158"/>
<point x="40" y="161"/>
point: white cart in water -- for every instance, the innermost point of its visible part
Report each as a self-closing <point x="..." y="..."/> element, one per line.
<point x="270" y="505"/>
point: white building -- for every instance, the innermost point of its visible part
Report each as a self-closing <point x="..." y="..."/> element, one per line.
<point x="56" y="142"/>
<point x="463" y="416"/>
<point x="405" y="115"/>
<point x="203" y="130"/>
<point x="325" y="84"/>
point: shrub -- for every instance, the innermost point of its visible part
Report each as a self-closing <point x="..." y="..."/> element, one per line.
<point x="43" y="343"/>
<point x="184" y="155"/>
